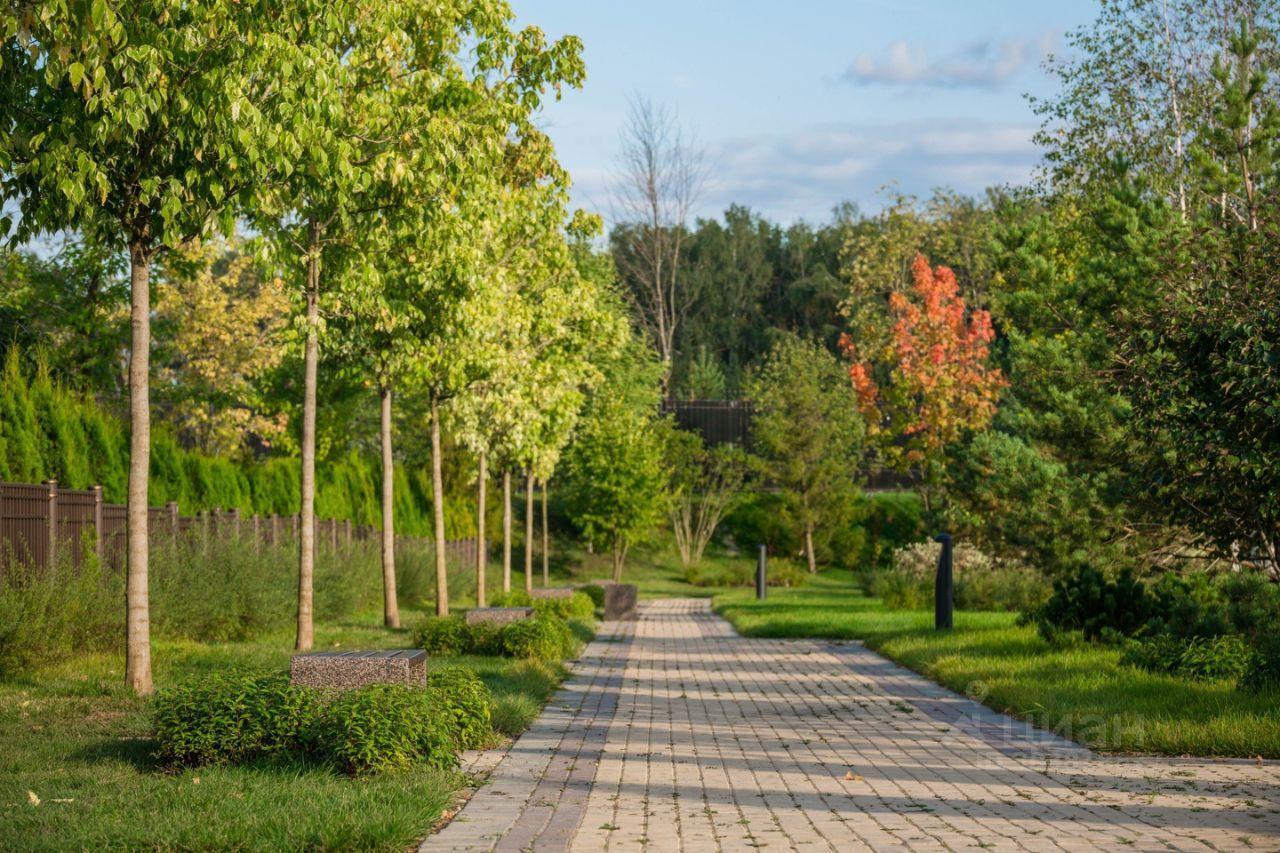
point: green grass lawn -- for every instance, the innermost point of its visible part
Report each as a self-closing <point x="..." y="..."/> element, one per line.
<point x="655" y="571"/>
<point x="77" y="739"/>
<point x="1081" y="691"/>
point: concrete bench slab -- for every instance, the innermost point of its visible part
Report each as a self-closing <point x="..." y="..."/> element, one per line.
<point x="554" y="592"/>
<point x="348" y="670"/>
<point x="498" y="615"/>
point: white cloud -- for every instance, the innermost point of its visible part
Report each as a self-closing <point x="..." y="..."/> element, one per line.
<point x="986" y="64"/>
<point x="806" y="173"/>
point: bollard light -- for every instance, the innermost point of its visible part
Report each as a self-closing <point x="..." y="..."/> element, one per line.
<point x="943" y="586"/>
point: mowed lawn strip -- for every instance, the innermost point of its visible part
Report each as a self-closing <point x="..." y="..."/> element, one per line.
<point x="1080" y="691"/>
<point x="79" y="741"/>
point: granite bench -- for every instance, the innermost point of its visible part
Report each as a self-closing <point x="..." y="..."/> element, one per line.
<point x="348" y="670"/>
<point x="498" y="615"/>
<point x="554" y="592"/>
<point x="619" y="600"/>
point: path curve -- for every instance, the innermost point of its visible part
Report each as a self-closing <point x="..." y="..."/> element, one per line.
<point x="675" y="734"/>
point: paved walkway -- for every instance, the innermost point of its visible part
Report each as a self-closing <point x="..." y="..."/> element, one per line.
<point x="675" y="734"/>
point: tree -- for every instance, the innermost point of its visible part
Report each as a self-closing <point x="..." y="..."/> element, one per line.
<point x="937" y="381"/>
<point x="661" y="176"/>
<point x="145" y="125"/>
<point x="222" y="327"/>
<point x="613" y="481"/>
<point x="807" y="435"/>
<point x="703" y="485"/>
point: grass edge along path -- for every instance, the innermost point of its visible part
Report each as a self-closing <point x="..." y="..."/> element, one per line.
<point x="78" y="742"/>
<point x="1081" y="692"/>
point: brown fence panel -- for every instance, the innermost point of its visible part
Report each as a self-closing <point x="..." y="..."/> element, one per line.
<point x="24" y="522"/>
<point x="115" y="534"/>
<point x="76" y="525"/>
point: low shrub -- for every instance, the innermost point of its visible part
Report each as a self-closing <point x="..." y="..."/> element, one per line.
<point x="577" y="606"/>
<point x="1086" y="600"/>
<point x="1198" y="658"/>
<point x="595" y="592"/>
<point x="781" y="573"/>
<point x="444" y="636"/>
<point x="540" y="638"/>
<point x="462" y="698"/>
<point x="231" y="717"/>
<point x="980" y="582"/>
<point x="1263" y="671"/>
<point x="892" y="521"/>
<point x="485" y="638"/>
<point x="50" y="614"/>
<point x="384" y="728"/>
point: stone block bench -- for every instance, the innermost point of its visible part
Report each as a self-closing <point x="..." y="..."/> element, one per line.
<point x="498" y="615"/>
<point x="554" y="592"/>
<point x="619" y="600"/>
<point x="348" y="670"/>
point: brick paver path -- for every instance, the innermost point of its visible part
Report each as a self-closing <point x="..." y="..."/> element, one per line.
<point x="675" y="734"/>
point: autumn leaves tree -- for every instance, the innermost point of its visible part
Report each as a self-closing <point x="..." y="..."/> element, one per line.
<point x="931" y="381"/>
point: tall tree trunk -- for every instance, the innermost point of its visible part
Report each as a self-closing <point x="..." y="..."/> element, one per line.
<point x="528" y="532"/>
<point x="390" y="609"/>
<point x="808" y="548"/>
<point x="437" y="507"/>
<point x="506" y="531"/>
<point x="482" y="546"/>
<point x="546" y="540"/>
<point x="138" y="607"/>
<point x="307" y="514"/>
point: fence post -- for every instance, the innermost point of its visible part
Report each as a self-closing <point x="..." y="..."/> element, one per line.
<point x="172" y="507"/>
<point x="97" y="525"/>
<point x="51" y="523"/>
<point x="943" y="587"/>
<point x="346" y="532"/>
<point x="333" y="532"/>
<point x="296" y="520"/>
<point x="762" y="568"/>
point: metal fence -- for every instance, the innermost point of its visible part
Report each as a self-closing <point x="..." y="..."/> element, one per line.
<point x="43" y="523"/>
<point x="717" y="421"/>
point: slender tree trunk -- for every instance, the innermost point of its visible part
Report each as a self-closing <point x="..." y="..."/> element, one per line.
<point x="307" y="514"/>
<point x="619" y="558"/>
<point x="482" y="546"/>
<point x="506" y="531"/>
<point x="528" y="532"/>
<point x="390" y="609"/>
<point x="546" y="540"/>
<point x="808" y="548"/>
<point x="437" y="507"/>
<point x="138" y="607"/>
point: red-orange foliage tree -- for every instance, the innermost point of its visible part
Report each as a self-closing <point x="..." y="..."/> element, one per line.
<point x="936" y="380"/>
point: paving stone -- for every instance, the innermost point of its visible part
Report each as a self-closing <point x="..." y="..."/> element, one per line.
<point x="675" y="734"/>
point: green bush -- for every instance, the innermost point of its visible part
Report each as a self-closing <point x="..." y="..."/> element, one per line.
<point x="1088" y="601"/>
<point x="514" y="598"/>
<point x="485" y="639"/>
<point x="1263" y="671"/>
<point x="461" y="696"/>
<point x="385" y="727"/>
<point x="739" y="573"/>
<point x="578" y="606"/>
<point x="900" y="590"/>
<point x="892" y="520"/>
<point x="595" y="592"/>
<point x="47" y="615"/>
<point x="444" y="636"/>
<point x="229" y="717"/>
<point x="1198" y="658"/>
<point x="540" y="638"/>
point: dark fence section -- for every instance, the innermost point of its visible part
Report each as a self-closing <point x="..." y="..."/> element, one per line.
<point x="717" y="421"/>
<point x="40" y="524"/>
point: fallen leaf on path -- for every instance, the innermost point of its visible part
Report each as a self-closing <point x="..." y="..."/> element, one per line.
<point x="32" y="798"/>
<point x="852" y="777"/>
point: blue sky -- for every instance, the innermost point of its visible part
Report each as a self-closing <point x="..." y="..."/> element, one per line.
<point x="804" y="104"/>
